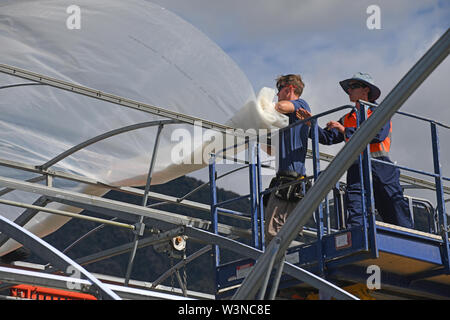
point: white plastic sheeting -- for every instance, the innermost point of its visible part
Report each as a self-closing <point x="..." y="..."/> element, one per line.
<point x="133" y="49"/>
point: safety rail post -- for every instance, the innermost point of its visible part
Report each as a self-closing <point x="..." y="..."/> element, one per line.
<point x="370" y="235"/>
<point x="319" y="211"/>
<point x="262" y="244"/>
<point x="214" y="215"/>
<point x="359" y="120"/>
<point x="326" y="215"/>
<point x="339" y="210"/>
<point x="440" y="198"/>
<point x="254" y="195"/>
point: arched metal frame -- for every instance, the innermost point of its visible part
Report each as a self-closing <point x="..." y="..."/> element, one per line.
<point x="16" y="85"/>
<point x="49" y="253"/>
<point x="101" y="137"/>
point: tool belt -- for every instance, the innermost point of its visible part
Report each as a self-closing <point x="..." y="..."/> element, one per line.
<point x="293" y="191"/>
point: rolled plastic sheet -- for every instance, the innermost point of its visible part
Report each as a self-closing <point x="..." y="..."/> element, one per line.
<point x="133" y="49"/>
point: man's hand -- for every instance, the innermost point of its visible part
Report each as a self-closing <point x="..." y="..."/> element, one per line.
<point x="336" y="125"/>
<point x="303" y="114"/>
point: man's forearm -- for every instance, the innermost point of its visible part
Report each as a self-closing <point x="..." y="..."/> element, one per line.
<point x="284" y="107"/>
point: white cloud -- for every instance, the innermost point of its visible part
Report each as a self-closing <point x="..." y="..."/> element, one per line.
<point x="256" y="20"/>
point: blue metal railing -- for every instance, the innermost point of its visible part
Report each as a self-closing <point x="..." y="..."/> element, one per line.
<point x="437" y="175"/>
<point x="256" y="193"/>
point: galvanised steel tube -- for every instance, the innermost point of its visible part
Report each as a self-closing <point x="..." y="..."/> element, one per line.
<point x="67" y="214"/>
<point x="101" y="137"/>
<point x="122" y="101"/>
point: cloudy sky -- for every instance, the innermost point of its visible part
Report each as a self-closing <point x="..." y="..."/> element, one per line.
<point x="327" y="41"/>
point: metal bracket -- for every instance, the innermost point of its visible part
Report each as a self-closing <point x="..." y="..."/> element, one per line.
<point x="139" y="228"/>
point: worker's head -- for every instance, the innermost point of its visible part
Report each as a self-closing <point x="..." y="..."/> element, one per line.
<point x="361" y="86"/>
<point x="289" y="86"/>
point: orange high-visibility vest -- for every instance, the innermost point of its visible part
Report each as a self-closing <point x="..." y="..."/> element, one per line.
<point x="378" y="149"/>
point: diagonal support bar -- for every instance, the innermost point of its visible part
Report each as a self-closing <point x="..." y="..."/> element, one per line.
<point x="152" y="240"/>
<point x="144" y="203"/>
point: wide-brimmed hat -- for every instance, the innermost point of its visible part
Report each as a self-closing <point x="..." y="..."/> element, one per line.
<point x="367" y="80"/>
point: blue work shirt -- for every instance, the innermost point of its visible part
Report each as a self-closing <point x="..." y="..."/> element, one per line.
<point x="294" y="142"/>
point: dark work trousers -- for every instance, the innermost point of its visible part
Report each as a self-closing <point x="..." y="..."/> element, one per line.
<point x="388" y="194"/>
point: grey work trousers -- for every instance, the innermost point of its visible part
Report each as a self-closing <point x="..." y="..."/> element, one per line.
<point x="275" y="215"/>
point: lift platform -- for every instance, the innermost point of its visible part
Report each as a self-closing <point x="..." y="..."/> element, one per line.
<point x="409" y="263"/>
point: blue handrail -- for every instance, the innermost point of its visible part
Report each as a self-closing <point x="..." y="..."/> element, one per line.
<point x="256" y="192"/>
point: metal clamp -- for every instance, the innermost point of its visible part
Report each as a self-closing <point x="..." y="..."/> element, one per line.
<point x="139" y="228"/>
